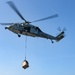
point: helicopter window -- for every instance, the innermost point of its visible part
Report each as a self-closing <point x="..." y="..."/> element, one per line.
<point x="27" y="29"/>
<point x="21" y="24"/>
<point x="17" y="25"/>
<point x="39" y="29"/>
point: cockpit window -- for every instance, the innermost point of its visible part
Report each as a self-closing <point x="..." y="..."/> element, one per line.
<point x="39" y="29"/>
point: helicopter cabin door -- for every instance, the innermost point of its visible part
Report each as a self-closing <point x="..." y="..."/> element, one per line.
<point x="34" y="30"/>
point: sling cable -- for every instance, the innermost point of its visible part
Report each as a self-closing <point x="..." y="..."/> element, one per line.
<point x="25" y="63"/>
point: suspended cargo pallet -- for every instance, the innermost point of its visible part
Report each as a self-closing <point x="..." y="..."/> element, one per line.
<point x="25" y="64"/>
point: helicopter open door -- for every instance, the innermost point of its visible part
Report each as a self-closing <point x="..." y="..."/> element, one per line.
<point x="34" y="30"/>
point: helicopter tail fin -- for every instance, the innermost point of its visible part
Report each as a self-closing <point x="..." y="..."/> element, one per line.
<point x="60" y="36"/>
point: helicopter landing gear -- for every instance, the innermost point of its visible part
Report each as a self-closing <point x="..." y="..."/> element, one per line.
<point x="19" y="35"/>
<point x="6" y="27"/>
<point x="52" y="41"/>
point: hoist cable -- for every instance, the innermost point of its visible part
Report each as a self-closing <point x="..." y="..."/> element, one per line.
<point x="25" y="46"/>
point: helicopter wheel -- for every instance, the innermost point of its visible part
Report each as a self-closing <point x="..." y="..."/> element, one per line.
<point x="6" y="27"/>
<point x="52" y="41"/>
<point x="19" y="35"/>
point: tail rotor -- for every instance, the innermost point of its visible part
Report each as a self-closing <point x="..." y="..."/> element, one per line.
<point x="61" y="35"/>
<point x="59" y="29"/>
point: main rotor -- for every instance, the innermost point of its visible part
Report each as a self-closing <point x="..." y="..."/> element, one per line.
<point x="12" y="5"/>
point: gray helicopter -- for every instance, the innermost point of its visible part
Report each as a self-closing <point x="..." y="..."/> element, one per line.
<point x="26" y="28"/>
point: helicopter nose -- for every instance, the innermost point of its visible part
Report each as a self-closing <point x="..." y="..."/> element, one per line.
<point x="7" y="27"/>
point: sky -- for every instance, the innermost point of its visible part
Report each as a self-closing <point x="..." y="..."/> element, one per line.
<point x="44" y="57"/>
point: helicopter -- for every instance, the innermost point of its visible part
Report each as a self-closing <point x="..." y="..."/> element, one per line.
<point x="26" y="28"/>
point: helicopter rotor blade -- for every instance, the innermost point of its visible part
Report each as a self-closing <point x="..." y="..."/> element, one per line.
<point x="6" y="23"/>
<point x="49" y="17"/>
<point x="12" y="5"/>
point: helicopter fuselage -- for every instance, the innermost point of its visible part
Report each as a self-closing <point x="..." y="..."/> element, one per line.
<point x="29" y="30"/>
